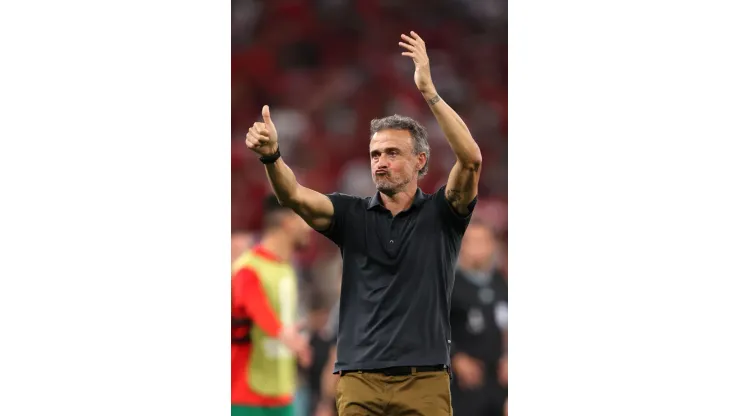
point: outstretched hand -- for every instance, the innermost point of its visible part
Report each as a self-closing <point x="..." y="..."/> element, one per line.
<point x="417" y="51"/>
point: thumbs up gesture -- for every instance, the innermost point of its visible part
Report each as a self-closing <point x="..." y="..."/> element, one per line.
<point x="262" y="136"/>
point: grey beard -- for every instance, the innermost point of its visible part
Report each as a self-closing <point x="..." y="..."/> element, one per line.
<point x="386" y="188"/>
<point x="389" y="188"/>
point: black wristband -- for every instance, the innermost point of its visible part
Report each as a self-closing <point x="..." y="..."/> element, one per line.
<point x="272" y="158"/>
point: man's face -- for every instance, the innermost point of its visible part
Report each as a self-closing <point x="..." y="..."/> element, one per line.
<point x="478" y="246"/>
<point x="393" y="163"/>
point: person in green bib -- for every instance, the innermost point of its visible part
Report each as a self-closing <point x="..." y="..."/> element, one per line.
<point x="265" y="337"/>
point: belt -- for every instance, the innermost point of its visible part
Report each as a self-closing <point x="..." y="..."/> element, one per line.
<point x="399" y="371"/>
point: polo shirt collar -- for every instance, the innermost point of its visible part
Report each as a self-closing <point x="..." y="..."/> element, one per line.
<point x="375" y="201"/>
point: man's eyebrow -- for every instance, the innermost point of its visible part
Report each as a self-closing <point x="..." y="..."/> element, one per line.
<point x="385" y="149"/>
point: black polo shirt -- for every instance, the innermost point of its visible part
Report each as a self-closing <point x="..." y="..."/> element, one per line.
<point x="397" y="279"/>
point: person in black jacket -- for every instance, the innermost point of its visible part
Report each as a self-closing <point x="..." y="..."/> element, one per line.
<point x="478" y="317"/>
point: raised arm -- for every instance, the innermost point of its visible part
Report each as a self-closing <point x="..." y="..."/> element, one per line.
<point x="315" y="208"/>
<point x="462" y="184"/>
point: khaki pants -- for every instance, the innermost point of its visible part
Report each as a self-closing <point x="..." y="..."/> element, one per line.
<point x="419" y="394"/>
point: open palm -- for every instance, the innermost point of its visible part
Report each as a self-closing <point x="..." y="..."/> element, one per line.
<point x="417" y="51"/>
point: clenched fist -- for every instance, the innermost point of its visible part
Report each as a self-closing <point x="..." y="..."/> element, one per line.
<point x="262" y="137"/>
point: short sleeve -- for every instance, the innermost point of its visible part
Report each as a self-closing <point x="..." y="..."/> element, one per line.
<point x="343" y="206"/>
<point x="458" y="222"/>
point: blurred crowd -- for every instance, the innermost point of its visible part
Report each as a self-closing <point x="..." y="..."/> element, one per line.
<point x="328" y="67"/>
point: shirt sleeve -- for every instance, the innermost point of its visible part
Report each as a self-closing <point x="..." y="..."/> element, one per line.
<point x="342" y="206"/>
<point x="458" y="222"/>
<point x="249" y="295"/>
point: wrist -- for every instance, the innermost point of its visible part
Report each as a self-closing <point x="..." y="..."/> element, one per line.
<point x="429" y="93"/>
<point x="272" y="150"/>
<point x="432" y="98"/>
<point x="272" y="156"/>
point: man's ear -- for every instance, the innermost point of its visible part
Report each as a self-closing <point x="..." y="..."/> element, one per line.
<point x="421" y="161"/>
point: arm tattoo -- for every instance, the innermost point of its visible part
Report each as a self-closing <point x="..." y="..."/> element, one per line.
<point x="453" y="195"/>
<point x="434" y="100"/>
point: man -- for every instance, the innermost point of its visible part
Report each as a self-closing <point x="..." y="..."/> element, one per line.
<point x="264" y="336"/>
<point x="478" y="319"/>
<point x="399" y="251"/>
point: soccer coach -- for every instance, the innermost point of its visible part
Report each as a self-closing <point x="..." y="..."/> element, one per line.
<point x="399" y="251"/>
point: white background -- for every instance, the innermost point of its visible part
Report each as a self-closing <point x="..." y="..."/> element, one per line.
<point x="114" y="208"/>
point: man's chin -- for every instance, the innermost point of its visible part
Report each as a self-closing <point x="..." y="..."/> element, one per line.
<point x="386" y="188"/>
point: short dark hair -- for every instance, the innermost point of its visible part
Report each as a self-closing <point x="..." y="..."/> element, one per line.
<point x="418" y="134"/>
<point x="271" y="212"/>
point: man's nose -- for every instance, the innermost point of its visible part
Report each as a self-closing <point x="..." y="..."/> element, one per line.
<point x="382" y="162"/>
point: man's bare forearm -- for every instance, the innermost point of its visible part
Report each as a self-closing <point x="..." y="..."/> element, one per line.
<point x="315" y="208"/>
<point x="283" y="182"/>
<point x="455" y="130"/>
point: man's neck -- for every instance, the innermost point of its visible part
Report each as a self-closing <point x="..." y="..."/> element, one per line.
<point x="278" y="245"/>
<point x="401" y="200"/>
